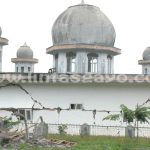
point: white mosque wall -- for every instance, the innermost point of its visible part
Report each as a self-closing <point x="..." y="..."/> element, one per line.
<point x="81" y="62"/>
<point x="92" y="96"/>
<point x="26" y="67"/>
<point x="146" y="69"/>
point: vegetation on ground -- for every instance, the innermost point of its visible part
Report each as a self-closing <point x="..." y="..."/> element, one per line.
<point x="139" y="114"/>
<point x="7" y="123"/>
<point x="97" y="143"/>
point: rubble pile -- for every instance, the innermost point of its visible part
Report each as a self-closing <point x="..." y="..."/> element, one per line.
<point x="37" y="138"/>
<point x="52" y="143"/>
<point x="14" y="140"/>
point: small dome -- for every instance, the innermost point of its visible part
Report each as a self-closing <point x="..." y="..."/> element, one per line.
<point x="0" y="31"/>
<point x="83" y="24"/>
<point x="146" y="54"/>
<point x="25" y="52"/>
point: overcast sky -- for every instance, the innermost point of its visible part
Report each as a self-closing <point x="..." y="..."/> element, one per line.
<point x="31" y="21"/>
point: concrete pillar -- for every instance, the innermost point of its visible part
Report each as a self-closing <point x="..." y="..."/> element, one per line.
<point x="54" y="65"/>
<point x="104" y="65"/>
<point x="81" y="62"/>
<point x="62" y="62"/>
<point x="1" y="53"/>
<point x="112" y="65"/>
<point x="99" y="63"/>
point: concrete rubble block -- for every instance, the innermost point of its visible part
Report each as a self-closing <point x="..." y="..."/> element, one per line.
<point x="130" y="131"/>
<point x="1" y="124"/>
<point x="40" y="131"/>
<point x="85" y="129"/>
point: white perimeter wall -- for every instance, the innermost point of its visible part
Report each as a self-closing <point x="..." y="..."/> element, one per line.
<point x="92" y="96"/>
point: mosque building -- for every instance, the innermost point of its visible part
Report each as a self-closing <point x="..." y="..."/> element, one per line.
<point x="3" y="42"/>
<point x="146" y="61"/>
<point x="82" y="81"/>
<point x="24" y="62"/>
<point x="83" y="41"/>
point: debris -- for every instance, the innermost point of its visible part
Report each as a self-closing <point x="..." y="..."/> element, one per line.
<point x="40" y="130"/>
<point x="38" y="138"/>
<point x="46" y="143"/>
<point x="14" y="139"/>
<point x="85" y="129"/>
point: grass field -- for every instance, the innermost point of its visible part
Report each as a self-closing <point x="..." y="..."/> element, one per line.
<point x="100" y="143"/>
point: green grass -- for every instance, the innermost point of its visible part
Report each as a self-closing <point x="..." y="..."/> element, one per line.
<point x="105" y="143"/>
<point x="98" y="143"/>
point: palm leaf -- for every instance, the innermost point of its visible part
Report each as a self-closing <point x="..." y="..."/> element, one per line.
<point x="128" y="114"/>
<point x="112" y="117"/>
<point x="142" y="114"/>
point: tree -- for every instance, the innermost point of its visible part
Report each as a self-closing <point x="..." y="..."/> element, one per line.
<point x="125" y="113"/>
<point x="140" y="114"/>
<point x="7" y="123"/>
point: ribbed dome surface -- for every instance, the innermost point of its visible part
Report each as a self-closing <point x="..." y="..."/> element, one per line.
<point x="24" y="52"/>
<point x="83" y="24"/>
<point x="146" y="54"/>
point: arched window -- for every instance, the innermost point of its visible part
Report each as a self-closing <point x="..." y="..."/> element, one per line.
<point x="56" y="62"/>
<point x="29" y="69"/>
<point x="71" y="62"/>
<point x="92" y="63"/>
<point x="109" y="59"/>
<point x="22" y="69"/>
<point x="17" y="69"/>
<point x="145" y="71"/>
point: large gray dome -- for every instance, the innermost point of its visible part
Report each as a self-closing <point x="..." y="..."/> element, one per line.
<point x="146" y="54"/>
<point x="25" y="52"/>
<point x="83" y="24"/>
<point x="0" y="31"/>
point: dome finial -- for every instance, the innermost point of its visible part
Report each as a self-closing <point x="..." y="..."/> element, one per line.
<point x="25" y="44"/>
<point x="82" y="2"/>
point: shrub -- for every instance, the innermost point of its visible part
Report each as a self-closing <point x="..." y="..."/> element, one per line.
<point x="62" y="129"/>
